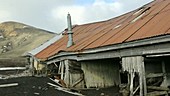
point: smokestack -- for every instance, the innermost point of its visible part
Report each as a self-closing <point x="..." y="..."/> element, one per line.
<point x="70" y="33"/>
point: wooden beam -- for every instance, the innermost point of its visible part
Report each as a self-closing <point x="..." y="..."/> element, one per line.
<point x="65" y="90"/>
<point x="62" y="70"/>
<point x="135" y="90"/>
<point x="132" y="75"/>
<point x="141" y="83"/>
<point x="78" y="81"/>
<point x="59" y="69"/>
<point x="56" y="82"/>
<point x="144" y="77"/>
<point x="164" y="83"/>
<point x="55" y="64"/>
<point x="9" y="85"/>
<point x="152" y="75"/>
<point x="157" y="93"/>
<point x="158" y="88"/>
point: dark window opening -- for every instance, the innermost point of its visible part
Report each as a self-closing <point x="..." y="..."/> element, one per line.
<point x="124" y="77"/>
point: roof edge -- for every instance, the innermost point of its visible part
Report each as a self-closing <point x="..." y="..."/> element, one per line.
<point x="143" y="42"/>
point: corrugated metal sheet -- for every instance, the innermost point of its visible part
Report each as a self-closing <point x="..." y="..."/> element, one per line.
<point x="45" y="45"/>
<point x="150" y="20"/>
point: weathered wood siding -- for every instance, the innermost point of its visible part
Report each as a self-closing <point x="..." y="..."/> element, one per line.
<point x="13" y="62"/>
<point x="35" y="64"/>
<point x="101" y="73"/>
<point x="72" y="75"/>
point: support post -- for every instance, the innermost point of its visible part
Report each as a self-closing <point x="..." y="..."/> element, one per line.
<point x="144" y="77"/>
<point x="164" y="75"/>
<point x="62" y="70"/>
<point x="131" y="83"/>
<point x="141" y="84"/>
<point x="59" y="69"/>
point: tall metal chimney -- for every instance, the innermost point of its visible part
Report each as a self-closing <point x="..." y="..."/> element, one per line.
<point x="69" y="32"/>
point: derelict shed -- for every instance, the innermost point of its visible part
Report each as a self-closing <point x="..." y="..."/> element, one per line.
<point x="35" y="66"/>
<point x="133" y="47"/>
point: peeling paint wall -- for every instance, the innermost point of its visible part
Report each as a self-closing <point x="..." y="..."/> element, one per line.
<point x="101" y="73"/>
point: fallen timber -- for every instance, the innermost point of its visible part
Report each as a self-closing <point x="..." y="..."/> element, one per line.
<point x="8" y="85"/>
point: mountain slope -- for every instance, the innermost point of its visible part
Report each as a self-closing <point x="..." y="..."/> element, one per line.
<point x="17" y="38"/>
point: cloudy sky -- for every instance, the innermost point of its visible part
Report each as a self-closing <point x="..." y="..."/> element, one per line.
<point x="51" y="14"/>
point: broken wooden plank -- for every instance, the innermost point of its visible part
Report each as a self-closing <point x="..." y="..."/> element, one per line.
<point x="152" y="75"/>
<point x="65" y="90"/>
<point x="158" y="88"/>
<point x="78" y="81"/>
<point x="59" y="69"/>
<point x="157" y="93"/>
<point x="132" y="75"/>
<point x="135" y="90"/>
<point x="62" y="70"/>
<point x="56" y="82"/>
<point x="53" y="85"/>
<point x="37" y="93"/>
<point x="12" y="68"/>
<point x="9" y="85"/>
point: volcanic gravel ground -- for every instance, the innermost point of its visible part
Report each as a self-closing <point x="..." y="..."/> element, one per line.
<point x="30" y="86"/>
<point x="37" y="86"/>
<point x="109" y="91"/>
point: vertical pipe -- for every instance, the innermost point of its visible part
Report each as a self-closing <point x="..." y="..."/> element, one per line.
<point x="70" y="33"/>
<point x="69" y="22"/>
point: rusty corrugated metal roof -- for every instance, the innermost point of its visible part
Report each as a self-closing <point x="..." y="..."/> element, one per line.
<point x="150" y="20"/>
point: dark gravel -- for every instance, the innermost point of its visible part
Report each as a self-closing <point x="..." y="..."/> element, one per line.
<point x="109" y="91"/>
<point x="37" y="86"/>
<point x="30" y="86"/>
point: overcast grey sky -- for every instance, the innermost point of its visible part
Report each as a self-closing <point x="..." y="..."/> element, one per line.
<point x="51" y="14"/>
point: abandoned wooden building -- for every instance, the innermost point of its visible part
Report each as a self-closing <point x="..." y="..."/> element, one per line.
<point x="34" y="63"/>
<point x="131" y="51"/>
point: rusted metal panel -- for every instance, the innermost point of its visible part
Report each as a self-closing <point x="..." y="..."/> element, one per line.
<point x="151" y="28"/>
<point x="55" y="47"/>
<point x="120" y="31"/>
<point x="159" y="6"/>
<point x="110" y="31"/>
<point x="94" y="29"/>
<point x="46" y="52"/>
<point x="158" y="25"/>
<point x="94" y="37"/>
<point x="168" y="31"/>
